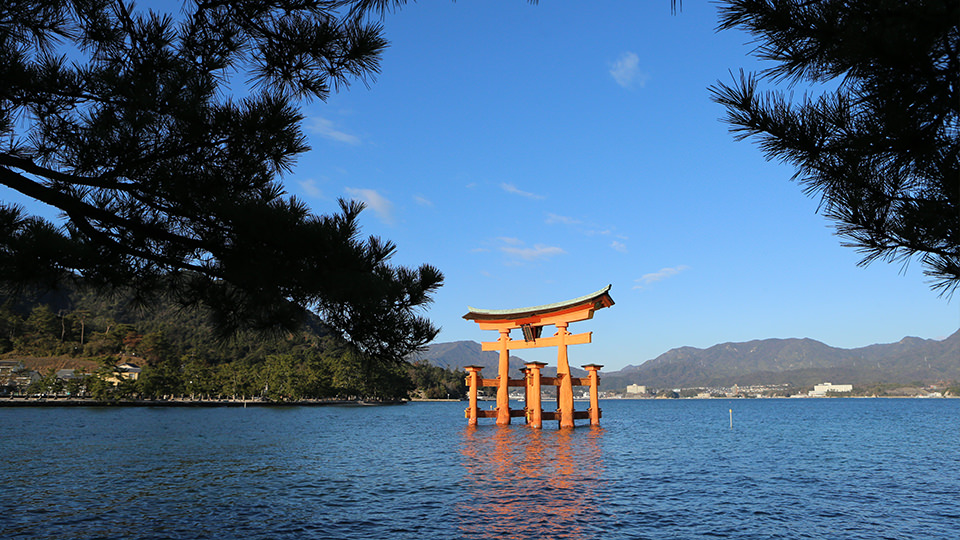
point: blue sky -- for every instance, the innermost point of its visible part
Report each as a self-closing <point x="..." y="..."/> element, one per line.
<point x="536" y="153"/>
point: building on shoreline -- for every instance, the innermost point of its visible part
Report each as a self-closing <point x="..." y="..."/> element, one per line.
<point x="15" y="377"/>
<point x="821" y="390"/>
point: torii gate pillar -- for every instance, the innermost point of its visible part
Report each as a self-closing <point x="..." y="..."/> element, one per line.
<point x="503" y="379"/>
<point x="565" y="386"/>
<point x="593" y="370"/>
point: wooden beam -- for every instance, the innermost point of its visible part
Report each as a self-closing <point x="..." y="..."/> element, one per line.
<point x="554" y="341"/>
<point x="582" y="312"/>
<point x="555" y="381"/>
<point x="577" y="415"/>
<point x="496" y="382"/>
<point x="514" y="413"/>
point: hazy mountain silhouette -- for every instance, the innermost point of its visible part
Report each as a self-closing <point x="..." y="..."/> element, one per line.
<point x="768" y="361"/>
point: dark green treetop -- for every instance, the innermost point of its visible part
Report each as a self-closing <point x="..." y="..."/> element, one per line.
<point x="162" y="140"/>
<point x="881" y="143"/>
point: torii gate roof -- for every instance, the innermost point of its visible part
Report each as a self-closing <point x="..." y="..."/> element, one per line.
<point x="599" y="299"/>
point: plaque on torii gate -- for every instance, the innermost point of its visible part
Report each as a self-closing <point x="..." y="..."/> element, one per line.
<point x="530" y="321"/>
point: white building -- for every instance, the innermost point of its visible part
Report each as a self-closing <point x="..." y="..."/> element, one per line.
<point x="636" y="389"/>
<point x="821" y="390"/>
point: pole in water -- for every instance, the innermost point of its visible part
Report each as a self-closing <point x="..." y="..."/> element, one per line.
<point x="731" y="418"/>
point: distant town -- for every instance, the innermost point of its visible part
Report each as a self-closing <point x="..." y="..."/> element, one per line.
<point x="824" y="390"/>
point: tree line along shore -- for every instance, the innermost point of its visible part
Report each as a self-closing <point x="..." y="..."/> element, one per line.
<point x="78" y="344"/>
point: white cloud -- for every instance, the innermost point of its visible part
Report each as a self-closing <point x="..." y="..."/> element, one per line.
<point x="510" y="188"/>
<point x="422" y="201"/>
<point x="325" y="128"/>
<point x="555" y="218"/>
<point x="519" y="253"/>
<point x="538" y="251"/>
<point x="374" y="201"/>
<point x="664" y="273"/>
<point x="619" y="246"/>
<point x="626" y="71"/>
<point x="309" y="186"/>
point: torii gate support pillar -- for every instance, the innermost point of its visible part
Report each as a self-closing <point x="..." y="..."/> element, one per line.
<point x="473" y="383"/>
<point x="534" y="408"/>
<point x="594" y="376"/>
<point x="565" y="388"/>
<point x="503" y="380"/>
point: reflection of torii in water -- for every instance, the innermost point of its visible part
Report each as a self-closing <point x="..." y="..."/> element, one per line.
<point x="531" y="321"/>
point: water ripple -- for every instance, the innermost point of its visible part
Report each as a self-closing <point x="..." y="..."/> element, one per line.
<point x="790" y="469"/>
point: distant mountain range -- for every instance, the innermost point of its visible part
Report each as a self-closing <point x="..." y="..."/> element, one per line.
<point x="800" y="362"/>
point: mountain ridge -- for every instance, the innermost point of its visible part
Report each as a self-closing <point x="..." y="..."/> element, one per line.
<point x="795" y="361"/>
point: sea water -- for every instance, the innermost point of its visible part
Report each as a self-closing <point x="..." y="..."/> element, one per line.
<point x="787" y="468"/>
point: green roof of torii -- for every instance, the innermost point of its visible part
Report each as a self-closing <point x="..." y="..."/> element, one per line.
<point x="474" y="314"/>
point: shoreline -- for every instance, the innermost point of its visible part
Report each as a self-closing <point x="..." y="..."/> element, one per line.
<point x="214" y="403"/>
<point x="209" y="403"/>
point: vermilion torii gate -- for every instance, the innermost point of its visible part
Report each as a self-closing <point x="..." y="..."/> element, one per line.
<point x="531" y="321"/>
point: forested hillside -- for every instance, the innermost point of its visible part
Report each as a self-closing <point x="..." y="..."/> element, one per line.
<point x="179" y="354"/>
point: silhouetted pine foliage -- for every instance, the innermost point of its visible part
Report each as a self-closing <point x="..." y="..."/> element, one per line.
<point x="880" y="144"/>
<point x="162" y="138"/>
